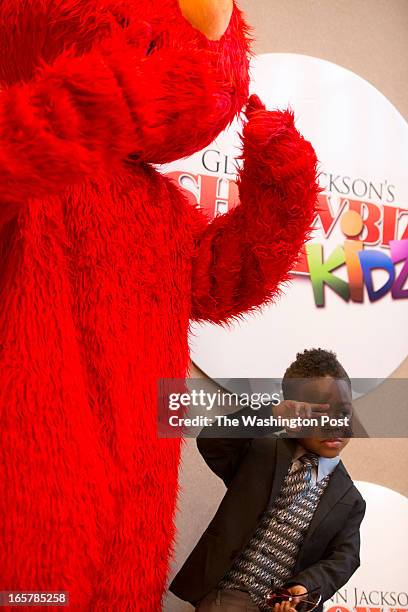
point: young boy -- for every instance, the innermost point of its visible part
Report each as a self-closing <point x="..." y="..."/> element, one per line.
<point x="291" y="515"/>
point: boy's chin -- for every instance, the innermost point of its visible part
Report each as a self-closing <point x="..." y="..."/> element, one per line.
<point x="330" y="447"/>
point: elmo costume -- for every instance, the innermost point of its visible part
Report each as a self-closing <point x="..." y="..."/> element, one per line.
<point x="103" y="262"/>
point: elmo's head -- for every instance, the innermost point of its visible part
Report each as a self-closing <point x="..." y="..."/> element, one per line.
<point x="213" y="31"/>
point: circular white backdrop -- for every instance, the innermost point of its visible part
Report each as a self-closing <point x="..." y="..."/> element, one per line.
<point x="357" y="133"/>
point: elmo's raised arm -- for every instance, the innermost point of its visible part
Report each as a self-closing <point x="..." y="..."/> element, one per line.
<point x="244" y="256"/>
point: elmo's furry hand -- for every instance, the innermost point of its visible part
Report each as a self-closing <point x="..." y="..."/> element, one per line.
<point x="273" y="145"/>
<point x="247" y="254"/>
<point x="254" y="104"/>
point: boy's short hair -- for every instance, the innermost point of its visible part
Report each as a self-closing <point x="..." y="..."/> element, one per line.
<point x="313" y="363"/>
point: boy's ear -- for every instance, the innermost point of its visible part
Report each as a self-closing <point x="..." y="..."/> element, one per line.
<point x="211" y="17"/>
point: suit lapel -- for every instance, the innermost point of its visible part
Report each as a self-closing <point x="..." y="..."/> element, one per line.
<point x="339" y="484"/>
<point x="269" y="487"/>
<point x="285" y="449"/>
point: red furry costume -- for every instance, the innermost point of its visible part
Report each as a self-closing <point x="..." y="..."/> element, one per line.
<point x="102" y="265"/>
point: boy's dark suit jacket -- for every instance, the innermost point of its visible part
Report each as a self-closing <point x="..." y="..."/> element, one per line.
<point x="253" y="471"/>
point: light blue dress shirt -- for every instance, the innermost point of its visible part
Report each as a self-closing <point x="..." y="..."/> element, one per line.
<point x="325" y="467"/>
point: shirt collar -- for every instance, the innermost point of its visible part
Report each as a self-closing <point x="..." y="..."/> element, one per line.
<point x="326" y="464"/>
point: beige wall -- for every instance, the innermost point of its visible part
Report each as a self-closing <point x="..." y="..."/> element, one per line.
<point x="369" y="37"/>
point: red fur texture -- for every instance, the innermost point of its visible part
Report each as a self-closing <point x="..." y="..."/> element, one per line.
<point x="103" y="263"/>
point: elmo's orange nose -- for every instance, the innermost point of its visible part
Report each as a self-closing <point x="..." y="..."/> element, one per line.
<point x="211" y="17"/>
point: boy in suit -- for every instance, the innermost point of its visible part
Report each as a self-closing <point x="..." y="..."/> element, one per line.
<point x="291" y="514"/>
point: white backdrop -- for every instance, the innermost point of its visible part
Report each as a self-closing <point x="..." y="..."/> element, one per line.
<point x="382" y="579"/>
<point x="360" y="138"/>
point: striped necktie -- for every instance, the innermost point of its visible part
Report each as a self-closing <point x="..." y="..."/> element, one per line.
<point x="298" y="481"/>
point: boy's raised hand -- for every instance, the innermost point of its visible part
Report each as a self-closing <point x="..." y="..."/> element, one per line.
<point x="289" y="409"/>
